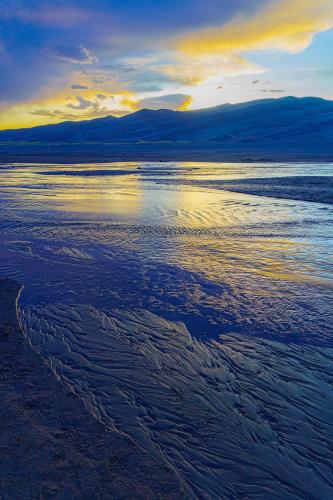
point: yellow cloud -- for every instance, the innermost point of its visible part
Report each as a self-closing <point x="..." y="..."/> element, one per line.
<point x="129" y="102"/>
<point x="189" y="71"/>
<point x="287" y="25"/>
<point x="62" y="106"/>
<point x="186" y="104"/>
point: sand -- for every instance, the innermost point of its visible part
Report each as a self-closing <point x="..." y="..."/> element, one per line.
<point x="317" y="189"/>
<point x="242" y="418"/>
<point x="50" y="445"/>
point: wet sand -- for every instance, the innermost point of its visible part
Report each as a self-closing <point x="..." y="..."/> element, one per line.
<point x="240" y="418"/>
<point x="318" y="189"/>
<point x="50" y="445"/>
<point x="244" y="417"/>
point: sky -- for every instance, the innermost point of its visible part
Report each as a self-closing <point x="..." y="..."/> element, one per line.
<point x="81" y="59"/>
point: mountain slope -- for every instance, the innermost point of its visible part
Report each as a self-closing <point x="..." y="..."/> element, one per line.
<point x="267" y="121"/>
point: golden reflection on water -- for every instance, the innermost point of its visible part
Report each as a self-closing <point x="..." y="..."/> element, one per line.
<point x="150" y="201"/>
<point x="101" y="195"/>
<point x="232" y="258"/>
<point x="120" y="194"/>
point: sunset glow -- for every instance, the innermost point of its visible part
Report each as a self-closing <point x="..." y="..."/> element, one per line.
<point x="71" y="60"/>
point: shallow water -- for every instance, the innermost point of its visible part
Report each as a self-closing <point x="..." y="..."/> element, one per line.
<point x="219" y="261"/>
<point x="112" y="263"/>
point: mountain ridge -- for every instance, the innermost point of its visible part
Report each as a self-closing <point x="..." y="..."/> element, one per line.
<point x="291" y="120"/>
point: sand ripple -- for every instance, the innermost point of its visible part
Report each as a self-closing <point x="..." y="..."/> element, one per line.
<point x="245" y="418"/>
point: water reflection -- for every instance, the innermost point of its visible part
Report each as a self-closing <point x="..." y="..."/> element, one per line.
<point x="139" y="236"/>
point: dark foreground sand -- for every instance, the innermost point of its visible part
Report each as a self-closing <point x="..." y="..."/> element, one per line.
<point x="50" y="445"/>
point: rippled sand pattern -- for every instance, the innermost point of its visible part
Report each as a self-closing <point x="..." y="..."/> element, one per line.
<point x="242" y="418"/>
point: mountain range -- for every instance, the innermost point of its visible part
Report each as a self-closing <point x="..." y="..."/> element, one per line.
<point x="287" y="122"/>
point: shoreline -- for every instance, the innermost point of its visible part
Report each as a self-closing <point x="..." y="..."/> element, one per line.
<point x="314" y="189"/>
<point x="74" y="159"/>
<point x="99" y="153"/>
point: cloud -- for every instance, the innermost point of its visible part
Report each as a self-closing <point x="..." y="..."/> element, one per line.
<point x="171" y="101"/>
<point x="175" y="102"/>
<point x="61" y="15"/>
<point x="326" y="73"/>
<point x="61" y="106"/>
<point x="79" y="87"/>
<point x="141" y="74"/>
<point x="273" y="91"/>
<point x="191" y="72"/>
<point x="283" y="25"/>
<point x="81" y="109"/>
<point x="287" y="25"/>
<point x="60" y="114"/>
<point x="82" y="103"/>
<point x="179" y="49"/>
<point x="75" y="54"/>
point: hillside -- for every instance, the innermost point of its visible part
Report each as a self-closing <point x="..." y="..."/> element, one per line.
<point x="270" y="125"/>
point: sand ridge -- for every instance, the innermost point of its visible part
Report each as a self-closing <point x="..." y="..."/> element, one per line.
<point x="50" y="445"/>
